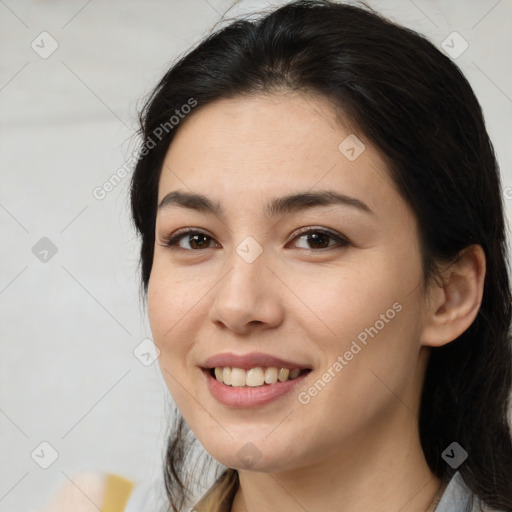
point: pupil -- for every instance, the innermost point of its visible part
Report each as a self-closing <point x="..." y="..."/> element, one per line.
<point x="194" y="240"/>
<point x="316" y="236"/>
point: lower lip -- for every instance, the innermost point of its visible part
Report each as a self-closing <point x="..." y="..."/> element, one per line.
<point x="250" y="396"/>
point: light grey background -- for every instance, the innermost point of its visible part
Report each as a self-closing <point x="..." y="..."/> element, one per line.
<point x="70" y="325"/>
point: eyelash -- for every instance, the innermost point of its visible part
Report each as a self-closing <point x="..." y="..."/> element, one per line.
<point x="171" y="240"/>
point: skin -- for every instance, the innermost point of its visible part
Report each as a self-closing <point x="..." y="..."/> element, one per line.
<point x="355" y="445"/>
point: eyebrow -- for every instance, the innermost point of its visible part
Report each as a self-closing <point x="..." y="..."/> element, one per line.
<point x="276" y="206"/>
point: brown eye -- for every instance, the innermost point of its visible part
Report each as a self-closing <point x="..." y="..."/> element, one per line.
<point x="317" y="239"/>
<point x="195" y="240"/>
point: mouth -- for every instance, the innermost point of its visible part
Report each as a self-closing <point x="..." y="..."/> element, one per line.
<point x="254" y="387"/>
<point x="252" y="380"/>
<point x="255" y="377"/>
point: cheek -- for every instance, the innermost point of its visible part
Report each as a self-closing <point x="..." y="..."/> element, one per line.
<point x="367" y="315"/>
<point x="171" y="310"/>
<point x="167" y="312"/>
<point x="173" y="297"/>
<point x="340" y="303"/>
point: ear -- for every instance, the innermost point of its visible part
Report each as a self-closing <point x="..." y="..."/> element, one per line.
<point x="453" y="305"/>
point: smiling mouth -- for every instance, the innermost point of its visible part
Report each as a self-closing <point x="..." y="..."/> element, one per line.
<point x="254" y="377"/>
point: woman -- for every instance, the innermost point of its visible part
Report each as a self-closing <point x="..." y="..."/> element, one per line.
<point x="324" y="257"/>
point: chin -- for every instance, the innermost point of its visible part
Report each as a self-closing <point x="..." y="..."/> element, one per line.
<point x="246" y="455"/>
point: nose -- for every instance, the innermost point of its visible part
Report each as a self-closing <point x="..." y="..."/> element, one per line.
<point x="247" y="296"/>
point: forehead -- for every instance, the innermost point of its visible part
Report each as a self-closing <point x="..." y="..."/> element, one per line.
<point x="249" y="146"/>
<point x="258" y="125"/>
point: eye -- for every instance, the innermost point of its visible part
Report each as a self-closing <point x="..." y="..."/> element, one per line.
<point x="196" y="239"/>
<point x="319" y="238"/>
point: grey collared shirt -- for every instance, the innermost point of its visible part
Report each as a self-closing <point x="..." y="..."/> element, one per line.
<point x="150" y="496"/>
<point x="457" y="497"/>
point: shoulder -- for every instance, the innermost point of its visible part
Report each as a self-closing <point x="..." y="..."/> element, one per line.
<point x="457" y="497"/>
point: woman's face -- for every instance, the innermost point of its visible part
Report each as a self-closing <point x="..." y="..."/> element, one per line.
<point x="330" y="283"/>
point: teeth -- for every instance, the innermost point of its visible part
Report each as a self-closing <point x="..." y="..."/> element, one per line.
<point x="225" y="376"/>
<point x="294" y="373"/>
<point x="238" y="377"/>
<point x="270" y="375"/>
<point x="258" y="376"/>
<point x="255" y="377"/>
<point x="284" y="373"/>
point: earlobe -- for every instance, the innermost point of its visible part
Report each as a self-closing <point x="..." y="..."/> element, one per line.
<point x="453" y="305"/>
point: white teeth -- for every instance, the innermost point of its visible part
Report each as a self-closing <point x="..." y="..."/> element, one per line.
<point x="254" y="377"/>
<point x="284" y="373"/>
<point x="238" y="377"/>
<point x="271" y="375"/>
<point x="294" y="373"/>
<point x="226" y="376"/>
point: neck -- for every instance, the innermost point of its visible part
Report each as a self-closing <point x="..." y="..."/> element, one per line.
<point x="382" y="469"/>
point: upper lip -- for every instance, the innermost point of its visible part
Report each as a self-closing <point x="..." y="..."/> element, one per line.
<point x="252" y="360"/>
